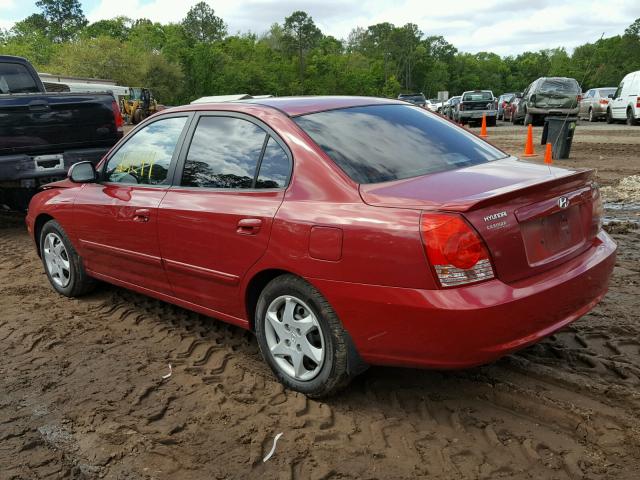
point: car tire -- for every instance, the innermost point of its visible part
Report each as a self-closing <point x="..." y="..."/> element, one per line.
<point x="319" y="362"/>
<point x="61" y="262"/>
<point x="609" y="116"/>
<point x="631" y="121"/>
<point x="528" y="119"/>
<point x="591" y="117"/>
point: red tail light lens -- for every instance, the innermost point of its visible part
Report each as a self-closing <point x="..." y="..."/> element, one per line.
<point x="579" y="98"/>
<point x="455" y="250"/>
<point x="604" y="101"/>
<point x="638" y="102"/>
<point x="117" y="116"/>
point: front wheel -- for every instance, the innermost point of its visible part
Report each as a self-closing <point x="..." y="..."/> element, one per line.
<point x="302" y="340"/>
<point x="62" y="264"/>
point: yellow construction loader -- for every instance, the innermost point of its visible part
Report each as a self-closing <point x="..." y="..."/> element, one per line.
<point x="138" y="105"/>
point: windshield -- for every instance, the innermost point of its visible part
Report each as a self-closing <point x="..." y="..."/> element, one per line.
<point x="560" y="85"/>
<point x="15" y="78"/>
<point x="477" y="96"/>
<point x="389" y="142"/>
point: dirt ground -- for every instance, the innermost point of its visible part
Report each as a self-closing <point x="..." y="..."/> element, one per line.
<point x="82" y="394"/>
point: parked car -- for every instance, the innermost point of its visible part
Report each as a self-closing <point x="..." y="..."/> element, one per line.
<point x="503" y="100"/>
<point x="625" y="103"/>
<point x="343" y="231"/>
<point x="549" y="96"/>
<point x="594" y="103"/>
<point x="43" y="133"/>
<point x="474" y="104"/>
<point x="416" y="98"/>
<point x="452" y="110"/>
<point x="511" y="109"/>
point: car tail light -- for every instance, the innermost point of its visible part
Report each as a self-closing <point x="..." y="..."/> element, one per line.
<point x="454" y="249"/>
<point x="604" y="101"/>
<point x="579" y="98"/>
<point x="117" y="116"/>
<point x="638" y="102"/>
<point x="597" y="210"/>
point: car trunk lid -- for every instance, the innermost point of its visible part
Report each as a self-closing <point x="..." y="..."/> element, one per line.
<point x="513" y="205"/>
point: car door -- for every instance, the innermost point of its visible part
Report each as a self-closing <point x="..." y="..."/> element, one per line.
<point x="618" y="103"/>
<point x="215" y="222"/>
<point x="117" y="218"/>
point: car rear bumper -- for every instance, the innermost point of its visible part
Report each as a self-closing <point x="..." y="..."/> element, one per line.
<point x="476" y="114"/>
<point x="473" y="325"/>
<point x="553" y="111"/>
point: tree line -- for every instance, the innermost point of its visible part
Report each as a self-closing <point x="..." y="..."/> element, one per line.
<point x="197" y="56"/>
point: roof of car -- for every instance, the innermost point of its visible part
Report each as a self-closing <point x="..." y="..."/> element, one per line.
<point x="294" y="106"/>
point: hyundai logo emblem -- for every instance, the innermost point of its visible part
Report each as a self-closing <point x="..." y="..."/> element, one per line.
<point x="563" y="202"/>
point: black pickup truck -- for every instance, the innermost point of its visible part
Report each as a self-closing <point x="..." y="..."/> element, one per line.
<point x="43" y="133"/>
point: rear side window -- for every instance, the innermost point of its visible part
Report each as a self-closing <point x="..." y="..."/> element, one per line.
<point x="145" y="157"/>
<point x="389" y="142"/>
<point x="229" y="152"/>
<point x="15" y="78"/>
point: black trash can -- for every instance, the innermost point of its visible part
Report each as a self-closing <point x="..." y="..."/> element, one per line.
<point x="558" y="131"/>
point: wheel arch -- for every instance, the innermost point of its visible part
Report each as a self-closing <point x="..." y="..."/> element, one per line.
<point x="40" y="221"/>
<point x="254" y="288"/>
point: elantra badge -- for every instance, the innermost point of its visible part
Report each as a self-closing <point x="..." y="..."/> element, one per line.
<point x="563" y="202"/>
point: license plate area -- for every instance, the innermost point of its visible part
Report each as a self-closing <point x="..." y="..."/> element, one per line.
<point x="549" y="237"/>
<point x="44" y="163"/>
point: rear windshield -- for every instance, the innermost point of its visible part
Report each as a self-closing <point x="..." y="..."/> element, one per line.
<point x="605" y="92"/>
<point x="563" y="85"/>
<point x="389" y="142"/>
<point x="15" y="78"/>
<point x="477" y="96"/>
<point x="413" y="98"/>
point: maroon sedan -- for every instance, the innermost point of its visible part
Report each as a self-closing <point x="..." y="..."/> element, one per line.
<point x="344" y="231"/>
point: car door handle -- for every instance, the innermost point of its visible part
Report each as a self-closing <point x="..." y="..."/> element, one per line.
<point x="141" y="215"/>
<point x="249" y="226"/>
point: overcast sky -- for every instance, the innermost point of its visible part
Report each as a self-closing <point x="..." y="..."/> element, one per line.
<point x="501" y="26"/>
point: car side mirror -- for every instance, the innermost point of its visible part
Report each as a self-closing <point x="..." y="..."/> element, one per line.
<point x="612" y="95"/>
<point x="83" y="172"/>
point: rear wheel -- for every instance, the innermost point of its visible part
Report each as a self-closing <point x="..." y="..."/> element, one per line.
<point x="302" y="340"/>
<point x="631" y="120"/>
<point x="591" y="116"/>
<point x="528" y="119"/>
<point x="609" y="116"/>
<point x="62" y="264"/>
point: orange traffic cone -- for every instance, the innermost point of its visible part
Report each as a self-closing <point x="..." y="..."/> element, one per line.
<point x="548" y="158"/>
<point x="528" y="147"/>
<point x="483" y="129"/>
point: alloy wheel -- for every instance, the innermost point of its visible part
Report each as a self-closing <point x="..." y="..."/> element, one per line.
<point x="57" y="260"/>
<point x="294" y="337"/>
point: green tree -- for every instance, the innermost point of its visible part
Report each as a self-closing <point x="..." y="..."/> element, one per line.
<point x="300" y="35"/>
<point x="118" y="27"/>
<point x="64" y="17"/>
<point x="202" y="25"/>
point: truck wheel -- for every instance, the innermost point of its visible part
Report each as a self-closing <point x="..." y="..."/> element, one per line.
<point x="302" y="339"/>
<point x="62" y="264"/>
<point x="609" y="116"/>
<point x="630" y="118"/>
<point x="137" y="116"/>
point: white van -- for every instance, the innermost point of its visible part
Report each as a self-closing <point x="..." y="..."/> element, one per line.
<point x="625" y="104"/>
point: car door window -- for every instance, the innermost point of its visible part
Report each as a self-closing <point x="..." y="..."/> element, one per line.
<point x="226" y="153"/>
<point x="145" y="158"/>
